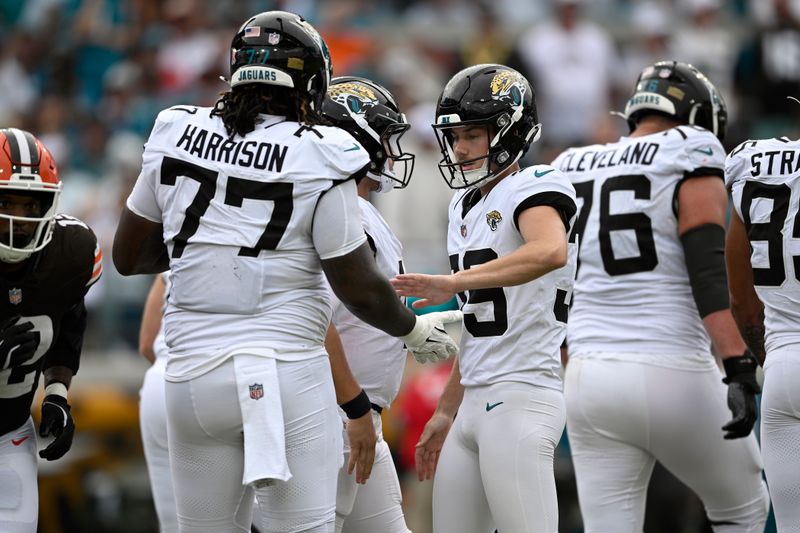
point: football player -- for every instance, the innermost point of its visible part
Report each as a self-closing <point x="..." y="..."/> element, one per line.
<point x="651" y="299"/>
<point x="764" y="281"/>
<point x="48" y="262"/>
<point x="369" y="112"/>
<point x="247" y="204"/>
<point x="513" y="271"/>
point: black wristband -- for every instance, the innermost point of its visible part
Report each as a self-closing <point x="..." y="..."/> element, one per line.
<point x="741" y="369"/>
<point x="358" y="406"/>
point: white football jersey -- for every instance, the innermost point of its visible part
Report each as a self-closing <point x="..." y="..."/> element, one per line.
<point x="511" y="333"/>
<point x="764" y="179"/>
<point x="632" y="293"/>
<point x="375" y="358"/>
<point x="237" y="216"/>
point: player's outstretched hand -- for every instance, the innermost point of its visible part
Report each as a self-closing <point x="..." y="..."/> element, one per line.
<point x="56" y="421"/>
<point x="362" y="438"/>
<point x="428" y="341"/>
<point x="742" y="389"/>
<point x="430" y="289"/>
<point x="430" y="444"/>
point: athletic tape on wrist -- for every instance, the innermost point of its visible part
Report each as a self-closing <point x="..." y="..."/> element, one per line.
<point x="57" y="388"/>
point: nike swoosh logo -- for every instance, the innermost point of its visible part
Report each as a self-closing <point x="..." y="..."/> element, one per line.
<point x="707" y="151"/>
<point x="353" y="148"/>
<point x="490" y="406"/>
<point x="539" y="174"/>
<point x="17" y="442"/>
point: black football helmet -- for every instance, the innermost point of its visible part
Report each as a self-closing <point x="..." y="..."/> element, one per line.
<point x="494" y="96"/>
<point x="369" y="112"/>
<point x="680" y="91"/>
<point x="283" y="49"/>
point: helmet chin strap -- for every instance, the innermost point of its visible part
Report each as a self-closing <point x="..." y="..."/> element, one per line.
<point x="384" y="180"/>
<point x="478" y="176"/>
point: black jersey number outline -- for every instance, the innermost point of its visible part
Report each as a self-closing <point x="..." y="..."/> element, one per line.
<point x="236" y="190"/>
<point x="772" y="231"/>
<point x="19" y="380"/>
<point x="640" y="223"/>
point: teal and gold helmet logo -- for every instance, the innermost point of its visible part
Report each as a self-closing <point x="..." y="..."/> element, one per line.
<point x="355" y="97"/>
<point x="508" y="86"/>
<point x="493" y="218"/>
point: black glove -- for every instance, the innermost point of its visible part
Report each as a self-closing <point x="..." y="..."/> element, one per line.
<point x="742" y="389"/>
<point x="17" y="342"/>
<point x="56" y="421"/>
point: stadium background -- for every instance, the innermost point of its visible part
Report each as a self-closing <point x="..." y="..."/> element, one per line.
<point x="89" y="76"/>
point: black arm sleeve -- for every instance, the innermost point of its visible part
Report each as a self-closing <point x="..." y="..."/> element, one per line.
<point x="66" y="349"/>
<point x="704" y="248"/>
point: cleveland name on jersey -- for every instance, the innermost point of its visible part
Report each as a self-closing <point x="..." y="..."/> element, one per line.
<point x="511" y="333"/>
<point x="237" y="216"/>
<point x="632" y="293"/>
<point x="375" y="358"/>
<point x="49" y="293"/>
<point x="764" y="179"/>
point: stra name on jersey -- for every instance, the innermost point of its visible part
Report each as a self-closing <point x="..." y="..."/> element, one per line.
<point x="237" y="215"/>
<point x="48" y="293"/>
<point x="764" y="179"/>
<point x="511" y="333"/>
<point x="375" y="358"/>
<point x="632" y="293"/>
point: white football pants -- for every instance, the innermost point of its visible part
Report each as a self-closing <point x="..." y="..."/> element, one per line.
<point x="376" y="505"/>
<point x="153" y="422"/>
<point x="780" y="435"/>
<point x="19" y="494"/>
<point x="623" y="416"/>
<point x="496" y="466"/>
<point x="207" y="453"/>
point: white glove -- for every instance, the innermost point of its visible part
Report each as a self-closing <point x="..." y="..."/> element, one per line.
<point x="428" y="341"/>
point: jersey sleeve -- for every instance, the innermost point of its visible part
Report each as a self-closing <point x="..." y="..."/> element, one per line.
<point x="703" y="154"/>
<point x="344" y="157"/>
<point x="143" y="200"/>
<point x="82" y="255"/>
<point x="735" y="165"/>
<point x="337" y="229"/>
<point x="545" y="185"/>
<point x="66" y="348"/>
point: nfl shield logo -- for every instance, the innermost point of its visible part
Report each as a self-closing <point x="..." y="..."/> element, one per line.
<point x="274" y="38"/>
<point x="256" y="391"/>
<point x="463" y="230"/>
<point x="15" y="296"/>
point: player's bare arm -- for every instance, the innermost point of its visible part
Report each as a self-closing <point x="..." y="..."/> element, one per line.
<point x="746" y="307"/>
<point x="545" y="250"/>
<point x="702" y="204"/>
<point x="139" y="246"/>
<point x="354" y="401"/>
<point x="357" y="282"/>
<point x="430" y="444"/>
<point x="151" y="319"/>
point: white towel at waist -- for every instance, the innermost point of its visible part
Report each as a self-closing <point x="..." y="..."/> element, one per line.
<point x="262" y="419"/>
